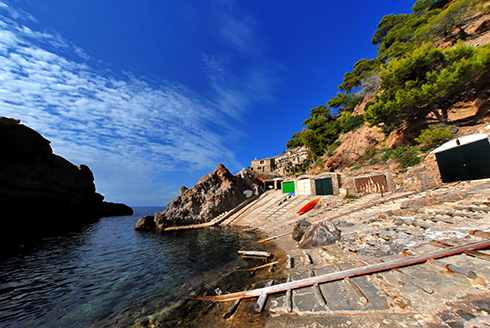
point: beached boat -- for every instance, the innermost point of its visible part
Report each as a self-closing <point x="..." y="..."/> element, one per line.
<point x="308" y="206"/>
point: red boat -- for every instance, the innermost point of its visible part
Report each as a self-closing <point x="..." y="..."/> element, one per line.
<point x="308" y="206"/>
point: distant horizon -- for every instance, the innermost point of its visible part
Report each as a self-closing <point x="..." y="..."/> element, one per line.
<point x="154" y="95"/>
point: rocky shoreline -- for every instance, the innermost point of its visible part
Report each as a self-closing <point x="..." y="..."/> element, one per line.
<point x="41" y="191"/>
<point x="214" y="194"/>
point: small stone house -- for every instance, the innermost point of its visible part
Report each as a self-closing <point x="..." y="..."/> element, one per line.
<point x="266" y="165"/>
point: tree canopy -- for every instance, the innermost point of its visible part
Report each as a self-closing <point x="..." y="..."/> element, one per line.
<point x="411" y="78"/>
<point x="428" y="81"/>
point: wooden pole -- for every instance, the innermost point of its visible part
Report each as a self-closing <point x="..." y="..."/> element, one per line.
<point x="307" y="257"/>
<point x="261" y="266"/>
<point x="232" y="309"/>
<point x="262" y="299"/>
<point x="289" y="298"/>
<point x="373" y="268"/>
<point x="316" y="291"/>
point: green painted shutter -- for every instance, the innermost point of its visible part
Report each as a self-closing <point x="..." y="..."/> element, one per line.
<point x="324" y="186"/>
<point x="287" y="187"/>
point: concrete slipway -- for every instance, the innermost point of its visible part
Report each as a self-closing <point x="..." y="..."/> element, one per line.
<point x="448" y="292"/>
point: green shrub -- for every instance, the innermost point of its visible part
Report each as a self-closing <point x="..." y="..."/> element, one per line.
<point x="434" y="136"/>
<point x="331" y="148"/>
<point x="406" y="156"/>
<point x="387" y="154"/>
<point x="369" y="153"/>
<point x="319" y="162"/>
<point x="353" y="123"/>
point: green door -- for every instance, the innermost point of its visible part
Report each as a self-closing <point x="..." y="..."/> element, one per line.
<point x="287" y="187"/>
<point x="324" y="186"/>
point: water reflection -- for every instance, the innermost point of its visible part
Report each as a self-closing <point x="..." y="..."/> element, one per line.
<point x="107" y="273"/>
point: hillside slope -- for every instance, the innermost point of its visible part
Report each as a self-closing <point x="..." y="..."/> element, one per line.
<point x="465" y="111"/>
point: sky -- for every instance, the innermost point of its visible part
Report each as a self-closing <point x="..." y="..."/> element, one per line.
<point x="154" y="94"/>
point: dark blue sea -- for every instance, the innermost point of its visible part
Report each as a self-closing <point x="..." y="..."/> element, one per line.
<point x="106" y="274"/>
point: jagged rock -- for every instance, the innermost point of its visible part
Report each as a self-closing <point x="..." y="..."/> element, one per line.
<point x="415" y="203"/>
<point x="397" y="138"/>
<point x="320" y="234"/>
<point x="450" y="197"/>
<point x="182" y="190"/>
<point x="35" y="183"/>
<point x="215" y="193"/>
<point x="299" y="229"/>
<point x="146" y="223"/>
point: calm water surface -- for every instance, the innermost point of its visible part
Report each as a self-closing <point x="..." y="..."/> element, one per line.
<point x="108" y="274"/>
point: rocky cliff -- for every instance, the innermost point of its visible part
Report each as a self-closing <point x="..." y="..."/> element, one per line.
<point x="215" y="193"/>
<point x="39" y="188"/>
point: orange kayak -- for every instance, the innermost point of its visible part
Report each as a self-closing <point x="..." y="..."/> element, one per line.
<point x="308" y="206"/>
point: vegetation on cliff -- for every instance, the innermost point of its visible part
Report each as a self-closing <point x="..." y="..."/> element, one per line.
<point x="422" y="69"/>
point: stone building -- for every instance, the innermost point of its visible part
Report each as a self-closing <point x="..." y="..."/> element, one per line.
<point x="266" y="165"/>
<point x="283" y="164"/>
<point x="291" y="159"/>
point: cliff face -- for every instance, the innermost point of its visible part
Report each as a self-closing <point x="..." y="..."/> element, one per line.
<point x="35" y="183"/>
<point x="215" y="193"/>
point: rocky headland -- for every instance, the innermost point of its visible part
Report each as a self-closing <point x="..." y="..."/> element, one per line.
<point x="212" y="195"/>
<point x="41" y="190"/>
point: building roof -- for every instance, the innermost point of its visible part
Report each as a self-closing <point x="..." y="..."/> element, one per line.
<point x="464" y="140"/>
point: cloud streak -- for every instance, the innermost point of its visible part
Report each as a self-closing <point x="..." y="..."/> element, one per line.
<point x="118" y="125"/>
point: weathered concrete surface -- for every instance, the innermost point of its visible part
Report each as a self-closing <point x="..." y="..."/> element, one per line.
<point x="378" y="229"/>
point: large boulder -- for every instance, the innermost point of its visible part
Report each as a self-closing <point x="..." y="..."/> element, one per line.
<point x="146" y="223"/>
<point x="299" y="229"/>
<point x="215" y="193"/>
<point x="43" y="188"/>
<point x="320" y="234"/>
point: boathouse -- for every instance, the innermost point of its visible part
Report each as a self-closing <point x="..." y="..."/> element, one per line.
<point x="464" y="158"/>
<point x="322" y="184"/>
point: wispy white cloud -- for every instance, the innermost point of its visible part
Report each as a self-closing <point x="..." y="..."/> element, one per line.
<point x="122" y="126"/>
<point x="237" y="89"/>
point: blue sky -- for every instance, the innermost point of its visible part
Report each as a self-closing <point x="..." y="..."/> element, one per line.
<point x="153" y="94"/>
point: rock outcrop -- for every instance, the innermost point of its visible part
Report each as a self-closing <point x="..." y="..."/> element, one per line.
<point x="43" y="189"/>
<point x="215" y="193"/>
<point x="320" y="234"/>
<point x="299" y="229"/>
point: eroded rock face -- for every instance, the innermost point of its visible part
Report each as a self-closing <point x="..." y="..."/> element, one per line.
<point x="320" y="234"/>
<point x="146" y="223"/>
<point x="299" y="229"/>
<point x="215" y="193"/>
<point x="35" y="183"/>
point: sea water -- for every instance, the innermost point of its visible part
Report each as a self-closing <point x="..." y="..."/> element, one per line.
<point x="107" y="274"/>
